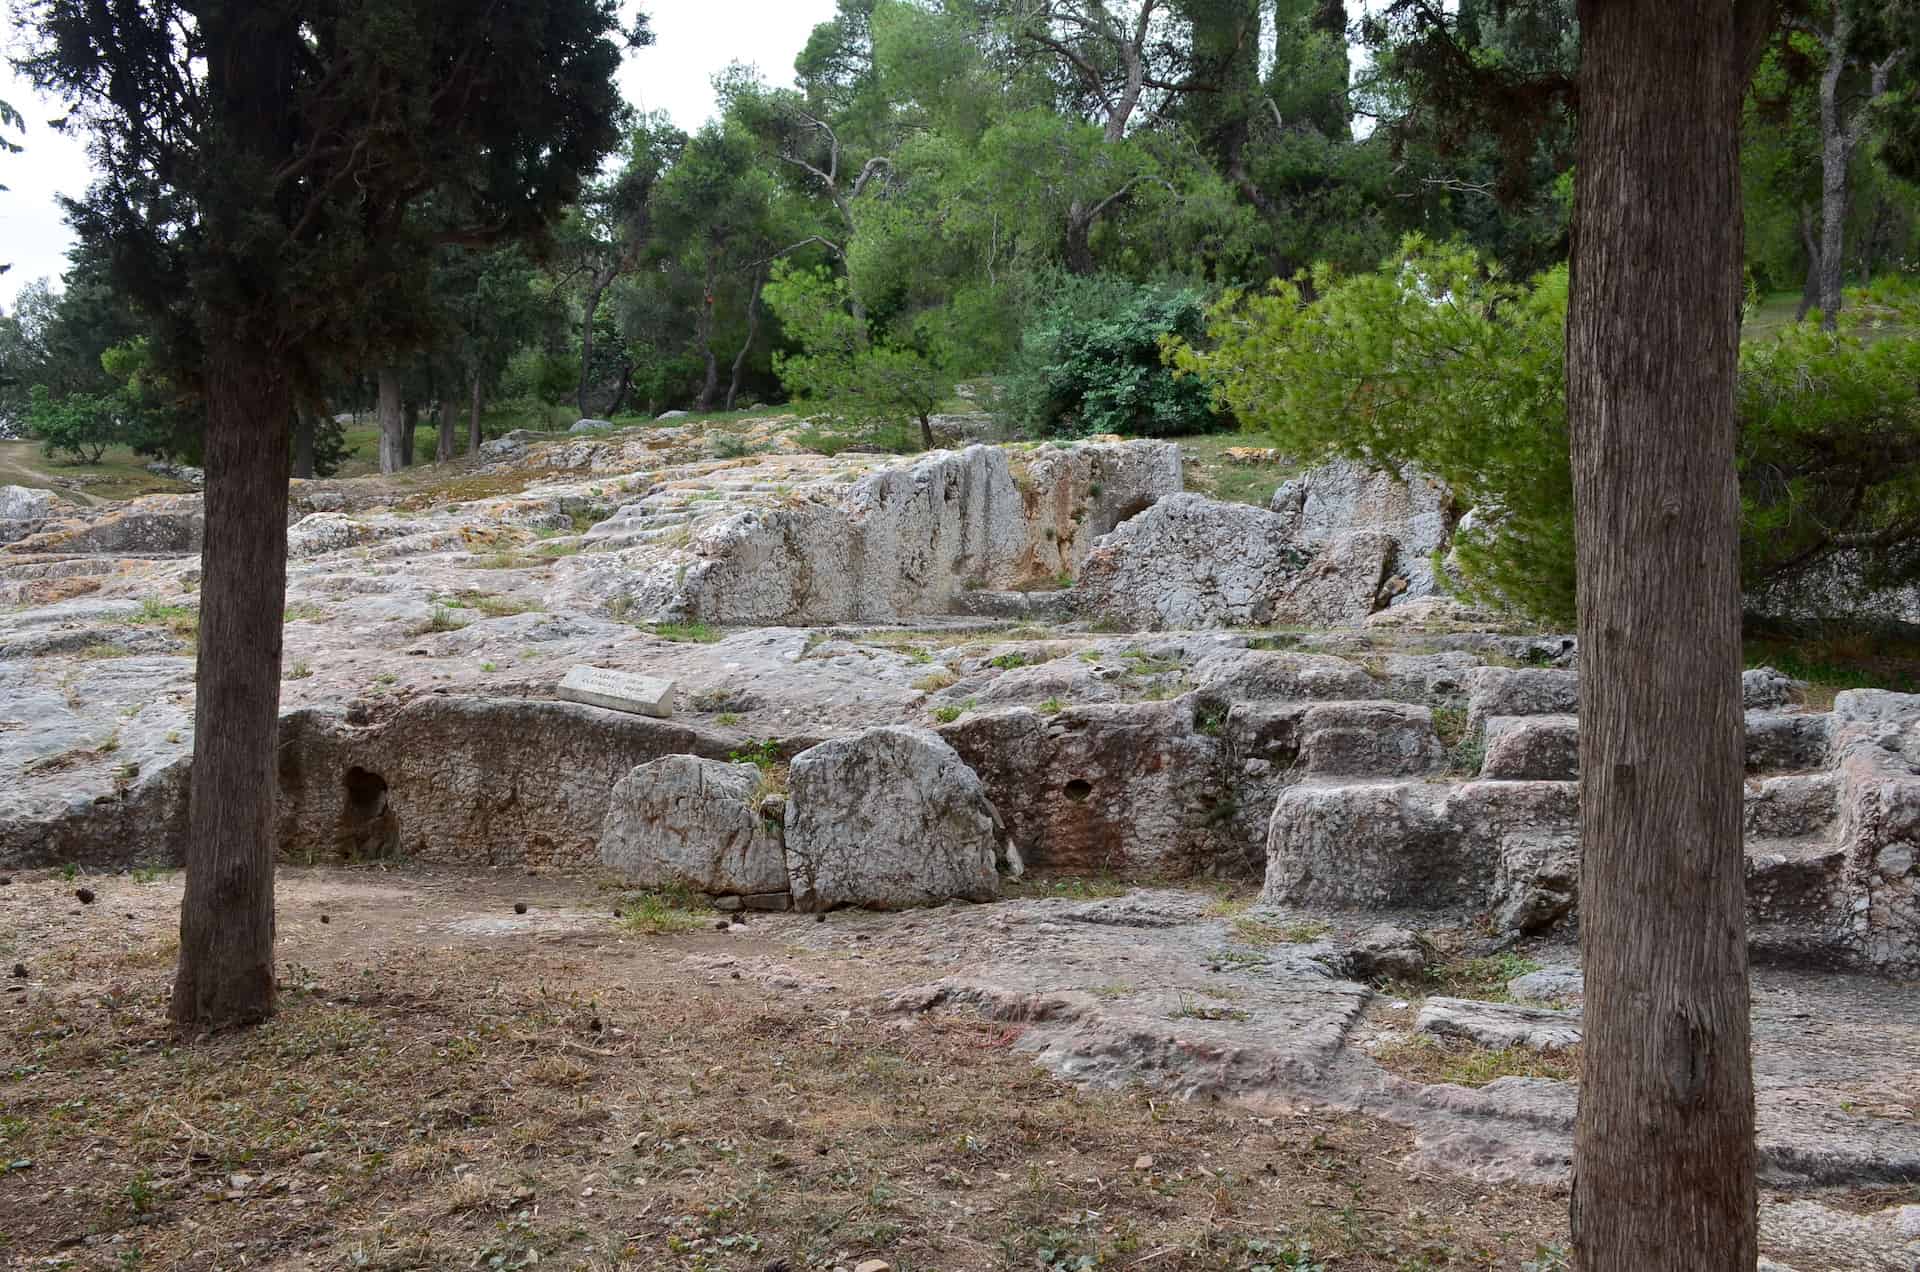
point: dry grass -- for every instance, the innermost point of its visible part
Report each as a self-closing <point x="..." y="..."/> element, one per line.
<point x="427" y="1100"/>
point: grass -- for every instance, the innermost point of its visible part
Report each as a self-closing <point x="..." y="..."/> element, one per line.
<point x="662" y="912"/>
<point x="1839" y="659"/>
<point x="504" y="606"/>
<point x="179" y="620"/>
<point x="686" y="633"/>
<point x="443" y="619"/>
<point x="1482" y="978"/>
<point x="1209" y="471"/>
<point x="1262" y="932"/>
<point x="1067" y="887"/>
<point x="120" y="474"/>
<point x="948" y="714"/>
<point x="934" y="681"/>
<point x="1427" y="1059"/>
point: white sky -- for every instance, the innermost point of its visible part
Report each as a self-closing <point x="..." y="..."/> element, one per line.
<point x="693" y="40"/>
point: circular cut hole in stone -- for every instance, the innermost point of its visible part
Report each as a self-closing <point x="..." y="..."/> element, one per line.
<point x="1078" y="790"/>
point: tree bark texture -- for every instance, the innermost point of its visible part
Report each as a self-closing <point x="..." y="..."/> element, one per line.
<point x="753" y="331"/>
<point x="443" y="444"/>
<point x="225" y="977"/>
<point x="473" y="413"/>
<point x="1664" y="1148"/>
<point x="305" y="425"/>
<point x="392" y="416"/>
<point x="409" y="431"/>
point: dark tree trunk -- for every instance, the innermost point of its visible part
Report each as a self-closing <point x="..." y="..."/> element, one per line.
<point x="225" y="976"/>
<point x="473" y="414"/>
<point x="1078" y="253"/>
<point x="597" y="285"/>
<point x="305" y="424"/>
<point x="393" y="421"/>
<point x="1810" y="291"/>
<point x="711" y="385"/>
<point x="620" y="392"/>
<point x="409" y="426"/>
<point x="753" y="330"/>
<point x="1664" y="1147"/>
<point x="443" y="445"/>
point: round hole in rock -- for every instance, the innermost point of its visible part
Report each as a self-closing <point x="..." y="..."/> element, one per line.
<point x="369" y="829"/>
<point x="1078" y="790"/>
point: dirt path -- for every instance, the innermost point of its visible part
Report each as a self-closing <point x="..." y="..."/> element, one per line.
<point x="450" y="1083"/>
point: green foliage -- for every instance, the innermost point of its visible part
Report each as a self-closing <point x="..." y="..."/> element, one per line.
<point x="869" y="385"/>
<point x="540" y="375"/>
<point x="1091" y="362"/>
<point x="1438" y="362"/>
<point x="80" y="426"/>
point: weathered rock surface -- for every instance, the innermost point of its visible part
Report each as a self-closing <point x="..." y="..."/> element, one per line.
<point x="1499" y="1024"/>
<point x="1168" y="568"/>
<point x="1543" y="748"/>
<point x="1331" y="502"/>
<point x="889" y="818"/>
<point x="684" y="821"/>
<point x="1387" y="952"/>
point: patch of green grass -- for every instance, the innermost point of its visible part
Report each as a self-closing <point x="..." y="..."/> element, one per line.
<point x="505" y="606"/>
<point x="662" y="912"/>
<point x="727" y="718"/>
<point x="948" y="714"/>
<point x="689" y="633"/>
<point x="1209" y="471"/>
<point x="934" y="681"/>
<point x="1462" y="1063"/>
<point x="106" y="649"/>
<point x="443" y="619"/>
<point x="1192" y="1008"/>
<point x="1841" y="659"/>
<point x="300" y="670"/>
<point x="1482" y="978"/>
<point x="1052" y="706"/>
<point x="1146" y="664"/>
<point x="305" y="612"/>
<point x="1067" y="887"/>
<point x="181" y="620"/>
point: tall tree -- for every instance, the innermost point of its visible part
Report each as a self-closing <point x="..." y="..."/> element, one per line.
<point x="1664" y="1147"/>
<point x="9" y="118"/>
<point x="248" y="153"/>
<point x="1862" y="49"/>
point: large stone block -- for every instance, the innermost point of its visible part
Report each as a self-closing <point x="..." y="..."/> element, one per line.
<point x="1369" y="739"/>
<point x="1520" y="691"/>
<point x="889" y="818"/>
<point x="684" y="821"/>
<point x="1532" y="748"/>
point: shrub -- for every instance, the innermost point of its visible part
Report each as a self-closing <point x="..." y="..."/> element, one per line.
<point x="80" y="426"/>
<point x="1437" y="362"/>
<point x="1091" y="362"/>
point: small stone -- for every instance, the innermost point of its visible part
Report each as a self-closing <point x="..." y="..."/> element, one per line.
<point x="1143" y="1162"/>
<point x="325" y="919"/>
<point x="519" y="907"/>
<point x="721" y="925"/>
<point x="20" y="971"/>
<point x="595" y="1025"/>
<point x="85" y="895"/>
<point x="819" y="918"/>
<point x="873" y="1265"/>
<point x="6" y="881"/>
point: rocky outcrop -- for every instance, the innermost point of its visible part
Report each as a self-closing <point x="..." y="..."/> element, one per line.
<point x="889" y="818"/>
<point x="1191" y="562"/>
<point x="488" y="781"/>
<point x="1415" y="513"/>
<point x="157" y="525"/>
<point x="902" y="541"/>
<point x="682" y="821"/>
<point x="1128" y="788"/>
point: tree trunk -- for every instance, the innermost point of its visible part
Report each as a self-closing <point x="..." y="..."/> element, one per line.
<point x="225" y="976"/>
<point x="597" y="284"/>
<point x="408" y="428"/>
<point x="1835" y="156"/>
<point x="753" y="330"/>
<point x="392" y="416"/>
<point x="1810" y="290"/>
<point x="473" y="414"/>
<point x="443" y="446"/>
<point x="621" y="390"/>
<point x="1078" y="253"/>
<point x="712" y="383"/>
<point x="305" y="424"/>
<point x="1663" y="1147"/>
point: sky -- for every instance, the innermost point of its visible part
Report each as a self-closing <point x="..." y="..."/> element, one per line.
<point x="693" y="40"/>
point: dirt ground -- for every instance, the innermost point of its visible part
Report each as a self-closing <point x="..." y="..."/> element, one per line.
<point x="452" y="1084"/>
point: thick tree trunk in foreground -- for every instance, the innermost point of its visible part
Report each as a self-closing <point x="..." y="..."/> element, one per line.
<point x="473" y="414"/>
<point x="305" y="425"/>
<point x="1664" y="1148"/>
<point x="225" y="976"/>
<point x="392" y="416"/>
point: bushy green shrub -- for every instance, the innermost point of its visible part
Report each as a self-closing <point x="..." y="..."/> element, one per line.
<point x="80" y="426"/>
<point x="535" y="374"/>
<point x="1438" y="362"/>
<point x="869" y="384"/>
<point x="1090" y="362"/>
